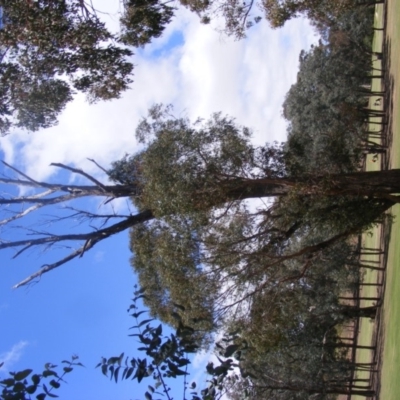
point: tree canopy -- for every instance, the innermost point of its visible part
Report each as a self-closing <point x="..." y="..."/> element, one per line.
<point x="42" y="43"/>
<point x="51" y="50"/>
<point x="144" y="21"/>
<point x="190" y="186"/>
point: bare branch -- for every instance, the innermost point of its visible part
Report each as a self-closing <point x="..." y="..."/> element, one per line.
<point x="244" y="18"/>
<point x="22" y="250"/>
<point x="92" y="190"/>
<point x="49" y="267"/>
<point x="80" y="172"/>
<point x="45" y="202"/>
<point x="49" y="194"/>
<point x="19" y="215"/>
<point x="90" y="238"/>
<point x="84" y="215"/>
<point x="98" y="165"/>
<point x="21" y="173"/>
<point x="42" y="194"/>
<point x="100" y="234"/>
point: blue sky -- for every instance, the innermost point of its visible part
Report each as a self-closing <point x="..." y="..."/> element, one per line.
<point x="81" y="307"/>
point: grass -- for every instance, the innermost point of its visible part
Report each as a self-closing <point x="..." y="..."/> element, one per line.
<point x="390" y="383"/>
<point x="372" y="238"/>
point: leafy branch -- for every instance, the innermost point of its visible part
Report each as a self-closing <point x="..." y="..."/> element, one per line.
<point x="167" y="357"/>
<point x="18" y="387"/>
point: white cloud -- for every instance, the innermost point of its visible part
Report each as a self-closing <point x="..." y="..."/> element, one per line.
<point x="208" y="73"/>
<point x="10" y="357"/>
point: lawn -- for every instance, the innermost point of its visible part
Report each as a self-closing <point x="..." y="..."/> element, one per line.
<point x="390" y="383"/>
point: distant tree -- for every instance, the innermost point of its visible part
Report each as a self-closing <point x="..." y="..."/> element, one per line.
<point x="320" y="12"/>
<point x="326" y="107"/>
<point x="42" y="42"/>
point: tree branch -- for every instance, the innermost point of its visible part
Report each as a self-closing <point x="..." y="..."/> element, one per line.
<point x="21" y="173"/>
<point x="98" y="165"/>
<point x="100" y="234"/>
<point x="19" y="215"/>
<point x="80" y="172"/>
<point x="90" y="238"/>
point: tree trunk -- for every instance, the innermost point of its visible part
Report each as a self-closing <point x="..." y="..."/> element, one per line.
<point x="376" y="184"/>
<point x="358" y="312"/>
<point x="380" y="189"/>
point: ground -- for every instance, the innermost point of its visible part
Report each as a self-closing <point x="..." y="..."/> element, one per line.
<point x="384" y="332"/>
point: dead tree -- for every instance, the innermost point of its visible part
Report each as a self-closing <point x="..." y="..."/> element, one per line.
<point x="48" y="194"/>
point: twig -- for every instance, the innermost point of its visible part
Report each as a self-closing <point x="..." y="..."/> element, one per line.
<point x="80" y="172"/>
<point x="20" y="215"/>
<point x="48" y="267"/>
<point x="98" y="165"/>
<point x="21" y="173"/>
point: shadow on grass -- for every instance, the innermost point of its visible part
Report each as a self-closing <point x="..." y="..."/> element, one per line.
<point x="388" y="85"/>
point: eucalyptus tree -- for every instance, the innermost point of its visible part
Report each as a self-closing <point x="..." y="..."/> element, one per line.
<point x="207" y="257"/>
<point x="144" y="21"/>
<point x="321" y="13"/>
<point x="42" y="43"/>
<point x="192" y="182"/>
<point x="288" y="352"/>
<point x="326" y="107"/>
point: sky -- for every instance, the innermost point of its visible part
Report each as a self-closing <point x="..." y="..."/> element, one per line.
<point x="80" y="308"/>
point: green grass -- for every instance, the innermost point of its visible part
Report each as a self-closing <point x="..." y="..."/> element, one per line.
<point x="372" y="238"/>
<point x="366" y="328"/>
<point x="390" y="382"/>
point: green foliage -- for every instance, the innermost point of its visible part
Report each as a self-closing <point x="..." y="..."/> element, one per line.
<point x="47" y="40"/>
<point x="183" y="166"/>
<point x="282" y="346"/>
<point x="144" y="20"/>
<point x="325" y="107"/>
<point x="317" y="212"/>
<point x="29" y="103"/>
<point x="205" y="249"/>
<point x="168" y="265"/>
<point x="321" y="13"/>
<point x="44" y="42"/>
<point x="21" y="385"/>
<point x="167" y="356"/>
<point x="287" y="344"/>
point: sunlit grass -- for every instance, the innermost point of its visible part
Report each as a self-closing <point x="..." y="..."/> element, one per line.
<point x="390" y="383"/>
<point x="372" y="238"/>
